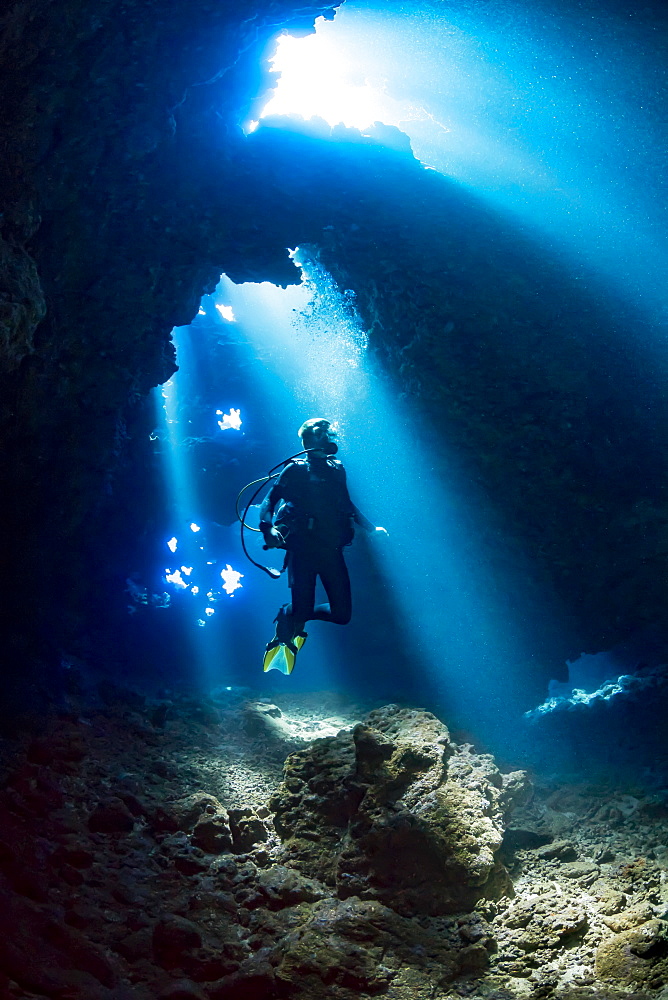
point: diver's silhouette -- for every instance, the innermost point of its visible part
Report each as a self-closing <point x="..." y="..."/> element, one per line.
<point x="309" y="513"/>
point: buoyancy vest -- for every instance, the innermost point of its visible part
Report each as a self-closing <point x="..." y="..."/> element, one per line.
<point x="315" y="505"/>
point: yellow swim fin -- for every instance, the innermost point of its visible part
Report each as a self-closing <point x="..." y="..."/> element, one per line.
<point x="281" y="656"/>
<point x="272" y="651"/>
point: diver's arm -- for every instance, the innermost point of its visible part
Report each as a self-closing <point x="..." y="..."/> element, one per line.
<point x="364" y="522"/>
<point x="358" y="517"/>
<point x="272" y="537"/>
<point x="268" y="506"/>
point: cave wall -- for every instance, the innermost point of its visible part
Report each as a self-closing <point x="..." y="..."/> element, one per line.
<point x="100" y="258"/>
<point x="128" y="188"/>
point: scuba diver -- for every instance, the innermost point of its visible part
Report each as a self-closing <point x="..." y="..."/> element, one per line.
<point x="309" y="513"/>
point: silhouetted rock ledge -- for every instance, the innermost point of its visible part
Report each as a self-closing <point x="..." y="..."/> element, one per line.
<point x="181" y="859"/>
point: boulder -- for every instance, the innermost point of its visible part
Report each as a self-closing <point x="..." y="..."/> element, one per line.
<point x="347" y="948"/>
<point x="558" y="850"/>
<point x="181" y="989"/>
<point x="212" y="833"/>
<point x="174" y="938"/>
<point x="395" y="812"/>
<point x="638" y="956"/>
<point x="111" y="816"/>
<point x="187" y="811"/>
<point x="248" y="829"/>
<point x="207" y="820"/>
<point x="279" y="887"/>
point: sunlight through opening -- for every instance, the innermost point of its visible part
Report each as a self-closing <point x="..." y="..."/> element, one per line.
<point x="318" y="80"/>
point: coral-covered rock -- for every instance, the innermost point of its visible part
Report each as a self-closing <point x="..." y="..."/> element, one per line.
<point x="212" y="834"/>
<point x="355" y="947"/>
<point x="201" y="815"/>
<point x="182" y="989"/>
<point x="638" y="956"/>
<point x="561" y="850"/>
<point x="396" y="813"/>
<point x="189" y="810"/>
<point x="46" y="956"/>
<point x="22" y="304"/>
<point x="279" y="887"/>
<point x="255" y="980"/>
<point x="248" y="829"/>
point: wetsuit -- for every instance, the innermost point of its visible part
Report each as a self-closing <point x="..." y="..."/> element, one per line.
<point x="315" y="515"/>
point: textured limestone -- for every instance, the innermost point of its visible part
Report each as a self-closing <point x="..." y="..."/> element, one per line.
<point x="395" y="813"/>
<point x="638" y="956"/>
<point x="22" y="305"/>
<point x="145" y="913"/>
<point x="352" y="946"/>
<point x="111" y="816"/>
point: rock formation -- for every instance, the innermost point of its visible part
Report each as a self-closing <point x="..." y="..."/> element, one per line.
<point x="142" y="861"/>
<point x="392" y="812"/>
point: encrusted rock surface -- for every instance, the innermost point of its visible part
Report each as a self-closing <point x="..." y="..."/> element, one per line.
<point x="394" y="812"/>
<point x="638" y="956"/>
<point x="140" y="910"/>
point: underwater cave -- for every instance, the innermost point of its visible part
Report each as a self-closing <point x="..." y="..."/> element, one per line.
<point x="440" y="226"/>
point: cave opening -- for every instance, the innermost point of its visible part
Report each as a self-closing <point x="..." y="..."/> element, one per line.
<point x="434" y="616"/>
<point x="357" y="75"/>
<point x="532" y="112"/>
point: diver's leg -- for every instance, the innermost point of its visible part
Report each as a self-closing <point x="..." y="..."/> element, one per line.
<point x="301" y="580"/>
<point x="333" y="572"/>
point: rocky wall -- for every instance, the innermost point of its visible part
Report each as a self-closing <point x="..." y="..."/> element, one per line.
<point x="128" y="188"/>
<point x="101" y="257"/>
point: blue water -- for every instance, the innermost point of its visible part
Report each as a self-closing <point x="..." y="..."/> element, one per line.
<point x="550" y="118"/>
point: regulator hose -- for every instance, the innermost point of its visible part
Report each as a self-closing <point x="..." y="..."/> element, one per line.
<point x="272" y="474"/>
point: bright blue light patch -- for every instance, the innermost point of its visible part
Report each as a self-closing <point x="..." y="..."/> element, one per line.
<point x="172" y="544"/>
<point x="201" y="622"/>
<point x="230" y="421"/>
<point x="230" y="579"/>
<point x="201" y="312"/>
<point x="209" y="611"/>
<point x="195" y="527"/>
<point x="226" y="312"/>
<point x="175" y="578"/>
<point x="553" y="120"/>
